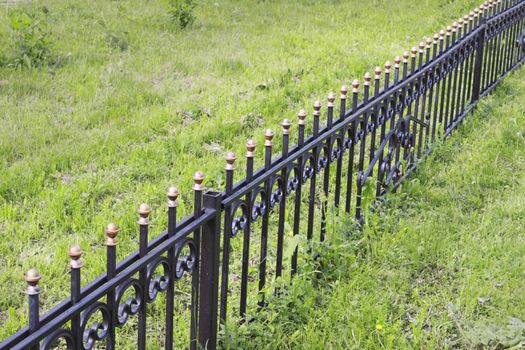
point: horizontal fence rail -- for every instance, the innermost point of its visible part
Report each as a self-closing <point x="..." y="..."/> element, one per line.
<point x="378" y="134"/>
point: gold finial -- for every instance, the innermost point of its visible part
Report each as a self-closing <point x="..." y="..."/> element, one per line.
<point x="377" y="72"/>
<point x="268" y="136"/>
<point x="477" y="11"/>
<point x="466" y="18"/>
<point x="144" y="211"/>
<point x="32" y="278"/>
<point x="428" y="43"/>
<point x="442" y="34"/>
<point x="112" y="231"/>
<point x="302" y="116"/>
<point x="286" y="126"/>
<point x="250" y="148"/>
<point x="173" y="194"/>
<point x="317" y="108"/>
<point x="460" y="23"/>
<point x="355" y="86"/>
<point x="455" y="26"/>
<point x="449" y="30"/>
<point x="367" y="78"/>
<point x="414" y="51"/>
<point x="75" y="253"/>
<point x="331" y="99"/>
<point x="397" y="61"/>
<point x="198" y="178"/>
<point x="344" y="91"/>
<point x="405" y="56"/>
<point x="388" y="65"/>
<point x="230" y="160"/>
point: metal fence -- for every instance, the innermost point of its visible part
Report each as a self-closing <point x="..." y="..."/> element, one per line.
<point x="377" y="137"/>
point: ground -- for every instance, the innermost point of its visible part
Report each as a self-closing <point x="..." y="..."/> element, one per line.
<point x="135" y="105"/>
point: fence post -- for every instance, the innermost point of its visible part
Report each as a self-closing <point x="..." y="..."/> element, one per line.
<point x="478" y="65"/>
<point x="209" y="274"/>
<point x="33" y="290"/>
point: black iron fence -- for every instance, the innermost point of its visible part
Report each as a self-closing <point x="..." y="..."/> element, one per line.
<point x="376" y="138"/>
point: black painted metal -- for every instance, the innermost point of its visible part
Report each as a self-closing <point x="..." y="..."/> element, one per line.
<point x="380" y="137"/>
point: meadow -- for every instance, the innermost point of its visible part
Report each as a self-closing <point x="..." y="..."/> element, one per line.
<point x="131" y="104"/>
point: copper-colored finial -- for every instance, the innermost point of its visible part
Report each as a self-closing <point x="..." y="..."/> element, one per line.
<point x="317" y="108"/>
<point x="32" y="278"/>
<point x="442" y="34"/>
<point x="414" y="51"/>
<point x="449" y="30"/>
<point x="230" y="160"/>
<point x="344" y="91"/>
<point x="198" y="178"/>
<point x="405" y="56"/>
<point x="112" y="231"/>
<point x="286" y="126"/>
<point x="355" y="86"/>
<point x="377" y="72"/>
<point x="466" y="18"/>
<point x="388" y="65"/>
<point x="331" y="99"/>
<point x="144" y="211"/>
<point x="250" y="148"/>
<point x="268" y="136"/>
<point x="460" y="23"/>
<point x="173" y="194"/>
<point x="75" y="253"/>
<point x="397" y="61"/>
<point x="302" y="116"/>
<point x="367" y="78"/>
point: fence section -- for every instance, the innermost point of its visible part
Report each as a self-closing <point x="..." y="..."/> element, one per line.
<point x="376" y="137"/>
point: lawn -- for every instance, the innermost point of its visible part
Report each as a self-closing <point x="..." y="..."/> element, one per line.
<point x="440" y="266"/>
<point x="134" y="104"/>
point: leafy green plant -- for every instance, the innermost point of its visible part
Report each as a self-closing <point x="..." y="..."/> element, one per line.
<point x="30" y="41"/>
<point x="181" y="12"/>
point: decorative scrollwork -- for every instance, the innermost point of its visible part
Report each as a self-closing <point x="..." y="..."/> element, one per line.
<point x="399" y="106"/>
<point x="239" y="221"/>
<point x="53" y="338"/>
<point x="132" y="304"/>
<point x="292" y="182"/>
<point x="157" y="283"/>
<point x="187" y="261"/>
<point x="97" y="331"/>
<point x="390" y="113"/>
<point x="277" y="195"/>
<point x="258" y="207"/>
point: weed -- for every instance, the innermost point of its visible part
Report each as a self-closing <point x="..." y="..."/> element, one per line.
<point x="181" y="12"/>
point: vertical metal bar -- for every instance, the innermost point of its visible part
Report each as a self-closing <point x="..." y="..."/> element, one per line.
<point x="353" y="134"/>
<point x="75" y="253"/>
<point x="111" y="268"/>
<point x="377" y="82"/>
<point x="209" y="275"/>
<point x="339" y="169"/>
<point x="265" y="222"/>
<point x="326" y="180"/>
<point x="478" y="63"/>
<point x="313" y="180"/>
<point x="172" y="195"/>
<point x="397" y="61"/>
<point x="405" y="64"/>
<point x="250" y="154"/>
<point x="286" y="124"/>
<point x="198" y="188"/>
<point x="298" y="194"/>
<point x="447" y="86"/>
<point x="226" y="247"/>
<point x="388" y="66"/>
<point x="362" y="146"/>
<point x="33" y="290"/>
<point x="144" y="211"/>
<point x="436" y="73"/>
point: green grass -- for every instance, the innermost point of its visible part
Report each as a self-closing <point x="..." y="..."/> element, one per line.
<point x="439" y="267"/>
<point x="136" y="105"/>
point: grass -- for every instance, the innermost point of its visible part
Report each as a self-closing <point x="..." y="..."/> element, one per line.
<point x="440" y="266"/>
<point x="133" y="105"/>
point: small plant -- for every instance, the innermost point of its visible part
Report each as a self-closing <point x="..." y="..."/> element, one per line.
<point x="181" y="12"/>
<point x="30" y="42"/>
